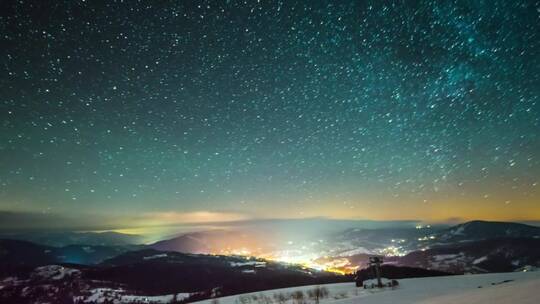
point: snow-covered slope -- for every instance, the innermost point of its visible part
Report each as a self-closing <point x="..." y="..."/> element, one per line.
<point x="517" y="293"/>
<point x="118" y="296"/>
<point x="515" y="288"/>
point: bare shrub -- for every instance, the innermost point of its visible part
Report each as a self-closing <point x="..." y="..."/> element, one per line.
<point x="280" y="298"/>
<point x="298" y="297"/>
<point x="318" y="293"/>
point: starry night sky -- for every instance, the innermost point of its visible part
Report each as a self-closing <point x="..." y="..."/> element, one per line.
<point x="381" y="110"/>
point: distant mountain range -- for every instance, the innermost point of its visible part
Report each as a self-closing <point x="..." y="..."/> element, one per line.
<point x="483" y="230"/>
<point x="376" y="240"/>
<point x="66" y="238"/>
<point x="411" y="239"/>
<point x="146" y="271"/>
<point x="489" y="255"/>
<point x="478" y="246"/>
<point x="16" y="255"/>
<point x="162" y="272"/>
<point x="472" y="247"/>
<point x="354" y="244"/>
<point x="187" y="264"/>
<point x="212" y="241"/>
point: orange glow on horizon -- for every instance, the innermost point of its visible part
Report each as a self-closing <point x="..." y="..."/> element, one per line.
<point x="437" y="211"/>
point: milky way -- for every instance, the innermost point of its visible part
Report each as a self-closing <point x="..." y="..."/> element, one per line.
<point x="355" y="109"/>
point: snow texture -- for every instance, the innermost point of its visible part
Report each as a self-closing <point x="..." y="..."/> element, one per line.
<point x="497" y="288"/>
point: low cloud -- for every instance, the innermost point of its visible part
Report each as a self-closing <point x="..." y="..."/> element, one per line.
<point x="22" y="220"/>
<point x="197" y="217"/>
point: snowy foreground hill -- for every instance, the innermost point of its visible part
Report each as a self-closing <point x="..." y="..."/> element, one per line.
<point x="495" y="288"/>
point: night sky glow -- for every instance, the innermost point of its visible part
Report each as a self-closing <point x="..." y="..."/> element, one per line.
<point x="129" y="113"/>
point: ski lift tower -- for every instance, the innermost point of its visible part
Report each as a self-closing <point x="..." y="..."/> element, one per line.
<point x="375" y="263"/>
